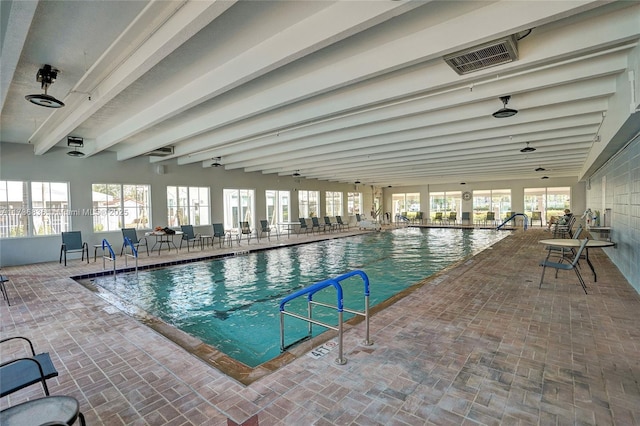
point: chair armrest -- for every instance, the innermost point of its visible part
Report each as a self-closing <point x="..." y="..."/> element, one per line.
<point x="33" y="352"/>
<point x="16" y="377"/>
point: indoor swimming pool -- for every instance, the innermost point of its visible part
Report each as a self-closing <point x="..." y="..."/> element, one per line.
<point x="231" y="303"/>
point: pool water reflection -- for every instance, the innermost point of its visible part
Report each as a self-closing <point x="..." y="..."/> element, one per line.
<point x="232" y="303"/>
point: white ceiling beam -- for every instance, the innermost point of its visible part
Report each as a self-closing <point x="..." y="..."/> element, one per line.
<point x="329" y="25"/>
<point x="364" y="64"/>
<point x="18" y="24"/>
<point x="155" y="33"/>
<point x="402" y="139"/>
<point x="572" y="77"/>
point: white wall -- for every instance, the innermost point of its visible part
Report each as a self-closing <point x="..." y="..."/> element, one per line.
<point x="17" y="162"/>
<point x="616" y="186"/>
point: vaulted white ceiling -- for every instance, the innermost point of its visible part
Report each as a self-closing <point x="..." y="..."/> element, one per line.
<point x="340" y="91"/>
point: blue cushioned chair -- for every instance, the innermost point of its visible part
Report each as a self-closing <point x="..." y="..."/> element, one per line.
<point x="190" y="237"/>
<point x="72" y="241"/>
<point x="21" y="372"/>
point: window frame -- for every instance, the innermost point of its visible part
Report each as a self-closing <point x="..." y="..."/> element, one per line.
<point x="116" y="214"/>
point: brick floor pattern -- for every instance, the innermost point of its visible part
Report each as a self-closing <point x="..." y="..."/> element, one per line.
<point x="478" y="344"/>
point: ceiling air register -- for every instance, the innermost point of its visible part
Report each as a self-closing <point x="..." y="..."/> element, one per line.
<point x="487" y="55"/>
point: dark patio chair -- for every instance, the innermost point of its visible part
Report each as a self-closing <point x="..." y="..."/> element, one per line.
<point x="490" y="218"/>
<point x="546" y="263"/>
<point x="3" y="289"/>
<point x="341" y="224"/>
<point x="315" y="224"/>
<point x="419" y="218"/>
<point x="329" y="224"/>
<point x="438" y="218"/>
<point x="245" y="231"/>
<point x="21" y="372"/>
<point x="303" y="226"/>
<point x="466" y="218"/>
<point x="133" y="237"/>
<point x="453" y="217"/>
<point x="190" y="236"/>
<point x="221" y="234"/>
<point x="266" y="229"/>
<point x="564" y="252"/>
<point x="536" y="216"/>
<point x="72" y="242"/>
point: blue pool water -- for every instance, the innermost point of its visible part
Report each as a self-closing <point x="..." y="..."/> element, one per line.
<point x="232" y="303"/>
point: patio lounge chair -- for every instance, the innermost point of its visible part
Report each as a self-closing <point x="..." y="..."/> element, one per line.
<point x="133" y="237"/>
<point x="266" y="229"/>
<point x="341" y="224"/>
<point x="72" y="242"/>
<point x="563" y="252"/>
<point x="536" y="216"/>
<point x="3" y="289"/>
<point x="466" y="218"/>
<point x="546" y="263"/>
<point x="490" y="218"/>
<point x="19" y="373"/>
<point x="245" y="229"/>
<point x="453" y="217"/>
<point x="303" y="226"/>
<point x="437" y="218"/>
<point x="220" y="233"/>
<point x="190" y="237"/>
<point x="315" y="224"/>
<point x="329" y="224"/>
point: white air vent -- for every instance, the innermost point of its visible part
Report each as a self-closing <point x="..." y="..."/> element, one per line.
<point x="486" y="55"/>
<point x="161" y="152"/>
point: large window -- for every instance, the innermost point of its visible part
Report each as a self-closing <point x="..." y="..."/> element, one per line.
<point x="354" y="203"/>
<point x="547" y="201"/>
<point x="188" y="205"/>
<point x="445" y="203"/>
<point x="497" y="201"/>
<point x="117" y="206"/>
<point x="50" y="207"/>
<point x="238" y="207"/>
<point x="406" y="204"/>
<point x="41" y="208"/>
<point x="277" y="206"/>
<point x="334" y="203"/>
<point x="308" y="203"/>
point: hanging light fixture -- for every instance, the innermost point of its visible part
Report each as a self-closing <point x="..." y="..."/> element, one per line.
<point x="357" y="182"/>
<point x="75" y="142"/>
<point x="216" y="162"/>
<point x="540" y="169"/>
<point x="45" y="76"/>
<point x="296" y="173"/>
<point x="504" y="111"/>
<point x="528" y="148"/>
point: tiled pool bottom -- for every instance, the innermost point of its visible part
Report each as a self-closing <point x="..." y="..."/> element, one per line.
<point x="383" y="256"/>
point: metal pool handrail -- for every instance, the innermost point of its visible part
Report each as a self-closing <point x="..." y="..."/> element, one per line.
<point x="526" y="218"/>
<point x="134" y="252"/>
<point x="309" y="292"/>
<point x="112" y="256"/>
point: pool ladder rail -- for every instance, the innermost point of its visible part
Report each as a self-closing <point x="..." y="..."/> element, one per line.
<point x="111" y="257"/>
<point x="513" y="216"/>
<point x="133" y="253"/>
<point x="309" y="292"/>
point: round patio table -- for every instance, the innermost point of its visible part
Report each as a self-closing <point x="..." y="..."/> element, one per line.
<point x="50" y="409"/>
<point x="572" y="243"/>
